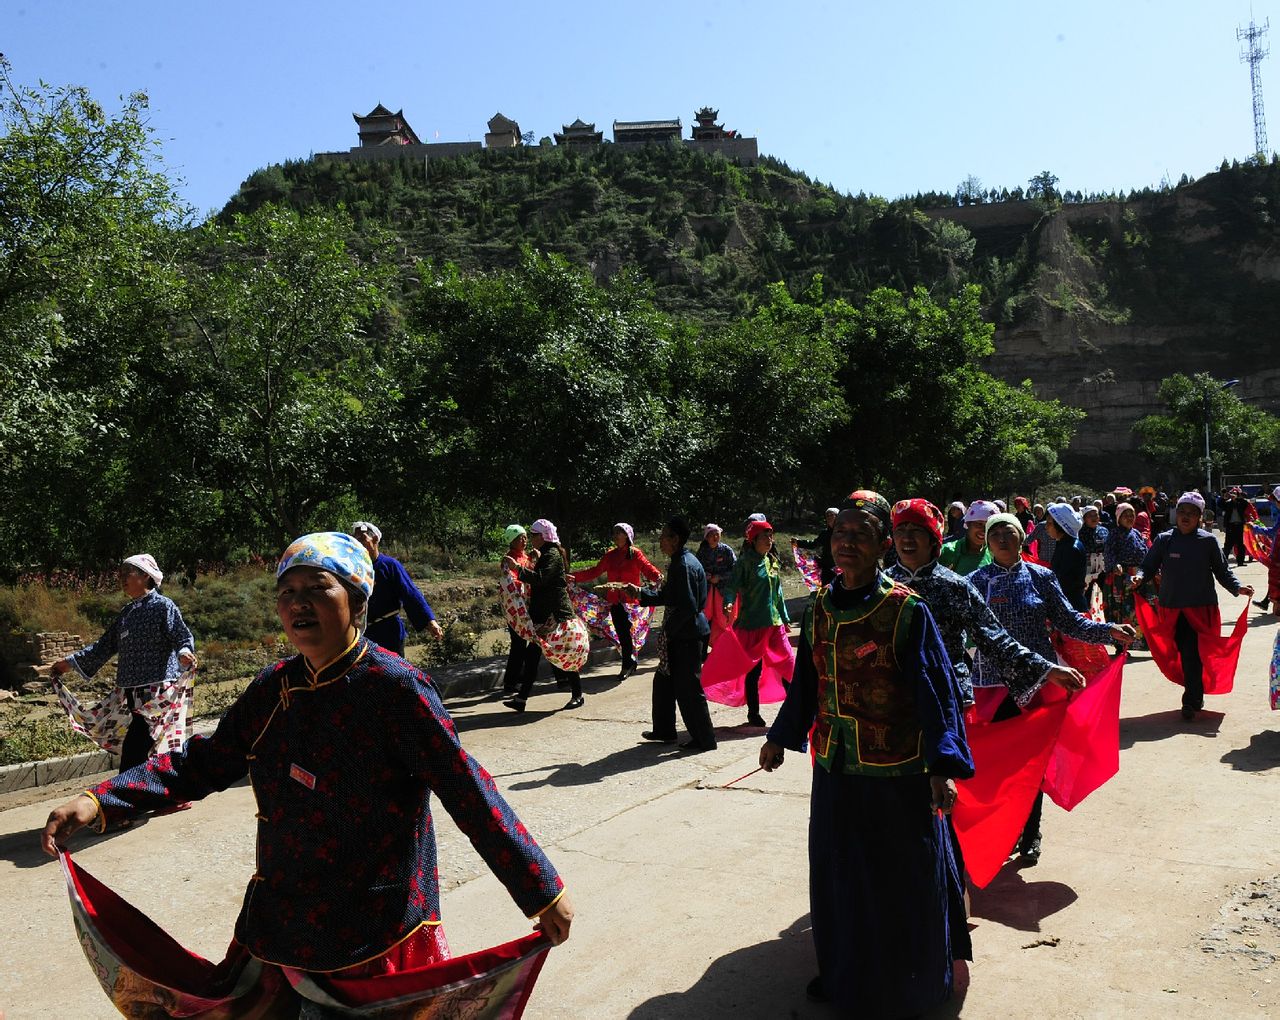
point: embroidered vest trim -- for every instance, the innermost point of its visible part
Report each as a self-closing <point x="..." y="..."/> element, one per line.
<point x="864" y="701"/>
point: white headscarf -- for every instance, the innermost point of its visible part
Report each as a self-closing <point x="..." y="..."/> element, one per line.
<point x="147" y="564"/>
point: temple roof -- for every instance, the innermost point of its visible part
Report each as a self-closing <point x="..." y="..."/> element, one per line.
<point x="379" y="111"/>
<point x="646" y="125"/>
<point x="580" y="125"/>
<point x="498" y="121"/>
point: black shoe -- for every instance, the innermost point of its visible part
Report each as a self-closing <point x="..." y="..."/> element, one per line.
<point x="814" y="991"/>
<point x="693" y="747"/>
<point x="1189" y="713"/>
<point x="651" y="735"/>
<point x="1262" y="603"/>
<point x="756" y="720"/>
<point x="627" y="669"/>
<point x="1029" y="849"/>
<point x="516" y="704"/>
<point x="576" y="702"/>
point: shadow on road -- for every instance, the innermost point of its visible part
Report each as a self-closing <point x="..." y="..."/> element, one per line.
<point x="1262" y="753"/>
<point x="1016" y="903"/>
<point x="628" y="759"/>
<point x="764" y="980"/>
<point x="1143" y="729"/>
<point x="22" y="849"/>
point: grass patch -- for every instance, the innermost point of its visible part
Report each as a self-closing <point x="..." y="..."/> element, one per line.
<point x="33" y="738"/>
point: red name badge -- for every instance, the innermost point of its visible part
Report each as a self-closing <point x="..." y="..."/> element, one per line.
<point x="301" y="775"/>
<point x="865" y="650"/>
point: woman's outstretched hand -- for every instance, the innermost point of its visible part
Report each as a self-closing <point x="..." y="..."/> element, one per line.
<point x="72" y="816"/>
<point x="555" y="920"/>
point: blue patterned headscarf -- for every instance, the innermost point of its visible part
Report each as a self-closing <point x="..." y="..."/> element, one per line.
<point x="335" y="552"/>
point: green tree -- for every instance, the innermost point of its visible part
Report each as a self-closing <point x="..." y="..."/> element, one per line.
<point x="286" y="387"/>
<point x="86" y="260"/>
<point x="1242" y="438"/>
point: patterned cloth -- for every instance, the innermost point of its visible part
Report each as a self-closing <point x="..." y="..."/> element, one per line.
<point x="594" y="612"/>
<point x="1027" y="600"/>
<point x="146" y="973"/>
<point x="963" y="618"/>
<point x="343" y="763"/>
<point x="1275" y="675"/>
<point x="809" y="569"/>
<point x="565" y="643"/>
<point x="164" y="706"/>
<point x="148" y="634"/>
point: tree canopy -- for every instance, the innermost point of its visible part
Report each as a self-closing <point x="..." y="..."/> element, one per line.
<point x="206" y="391"/>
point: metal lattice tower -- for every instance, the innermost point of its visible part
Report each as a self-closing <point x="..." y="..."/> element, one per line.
<point x="1253" y="56"/>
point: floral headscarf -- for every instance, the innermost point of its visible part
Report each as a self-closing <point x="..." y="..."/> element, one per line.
<point x="338" y="553"/>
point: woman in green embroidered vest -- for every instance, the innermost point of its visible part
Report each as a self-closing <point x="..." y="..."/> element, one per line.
<point x="758" y="663"/>
<point x="874" y="683"/>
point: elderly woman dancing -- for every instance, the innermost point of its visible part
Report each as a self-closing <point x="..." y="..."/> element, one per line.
<point x="344" y="742"/>
<point x="148" y="708"/>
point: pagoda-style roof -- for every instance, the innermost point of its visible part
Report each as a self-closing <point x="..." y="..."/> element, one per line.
<point x="706" y="113"/>
<point x="381" y="127"/>
<point x="500" y="123"/>
<point x="579" y="133"/>
<point x="647" y="125"/>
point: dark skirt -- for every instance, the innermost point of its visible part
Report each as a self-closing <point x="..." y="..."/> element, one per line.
<point x="885" y="893"/>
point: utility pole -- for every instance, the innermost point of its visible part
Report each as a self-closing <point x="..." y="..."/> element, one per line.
<point x="1253" y="56"/>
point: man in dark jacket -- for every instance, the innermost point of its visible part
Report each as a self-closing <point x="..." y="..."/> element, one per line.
<point x="684" y="627"/>
<point x="1235" y="512"/>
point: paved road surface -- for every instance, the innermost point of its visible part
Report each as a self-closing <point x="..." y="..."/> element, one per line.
<point x="1157" y="897"/>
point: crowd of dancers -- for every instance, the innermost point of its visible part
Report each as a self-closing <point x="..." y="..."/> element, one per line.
<point x="936" y="682"/>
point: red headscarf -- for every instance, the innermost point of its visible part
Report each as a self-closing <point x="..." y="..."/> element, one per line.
<point x="1142" y="525"/>
<point x="920" y="512"/>
<point x="756" y="527"/>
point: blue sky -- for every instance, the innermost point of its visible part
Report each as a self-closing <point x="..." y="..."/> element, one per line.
<point x="886" y="98"/>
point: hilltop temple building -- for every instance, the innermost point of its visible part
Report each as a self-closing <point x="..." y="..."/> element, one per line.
<point x="386" y="135"/>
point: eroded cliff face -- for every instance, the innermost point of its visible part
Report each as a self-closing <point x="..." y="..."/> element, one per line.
<point x="1080" y="350"/>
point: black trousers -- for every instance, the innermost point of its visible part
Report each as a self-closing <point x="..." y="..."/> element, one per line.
<point x="512" y="675"/>
<point x="529" y="673"/>
<point x="752" y="689"/>
<point x="1234" y="540"/>
<point x="137" y="740"/>
<point x="1188" y="642"/>
<point x="682" y="686"/>
<point x="622" y="624"/>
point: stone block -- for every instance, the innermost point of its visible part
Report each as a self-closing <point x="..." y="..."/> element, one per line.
<point x="36" y="687"/>
<point x="57" y="770"/>
<point x="17" y="777"/>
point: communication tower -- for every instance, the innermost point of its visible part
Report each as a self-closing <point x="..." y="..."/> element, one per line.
<point x="1253" y="56"/>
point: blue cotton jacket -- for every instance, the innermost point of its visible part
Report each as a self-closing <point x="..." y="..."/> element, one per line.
<point x="147" y="634"/>
<point x="1027" y="600"/>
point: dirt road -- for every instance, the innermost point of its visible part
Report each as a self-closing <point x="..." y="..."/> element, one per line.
<point x="1157" y="897"/>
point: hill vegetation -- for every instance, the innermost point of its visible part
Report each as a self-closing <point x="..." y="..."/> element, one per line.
<point x="590" y="336"/>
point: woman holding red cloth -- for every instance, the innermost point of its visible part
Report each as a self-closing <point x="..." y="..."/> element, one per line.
<point x="623" y="564"/>
<point x="761" y="656"/>
<point x="1185" y="629"/>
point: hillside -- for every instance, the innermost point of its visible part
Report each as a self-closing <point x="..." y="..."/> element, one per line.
<point x="1115" y="296"/>
<point x="710" y="234"/>
<point x="1094" y="302"/>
